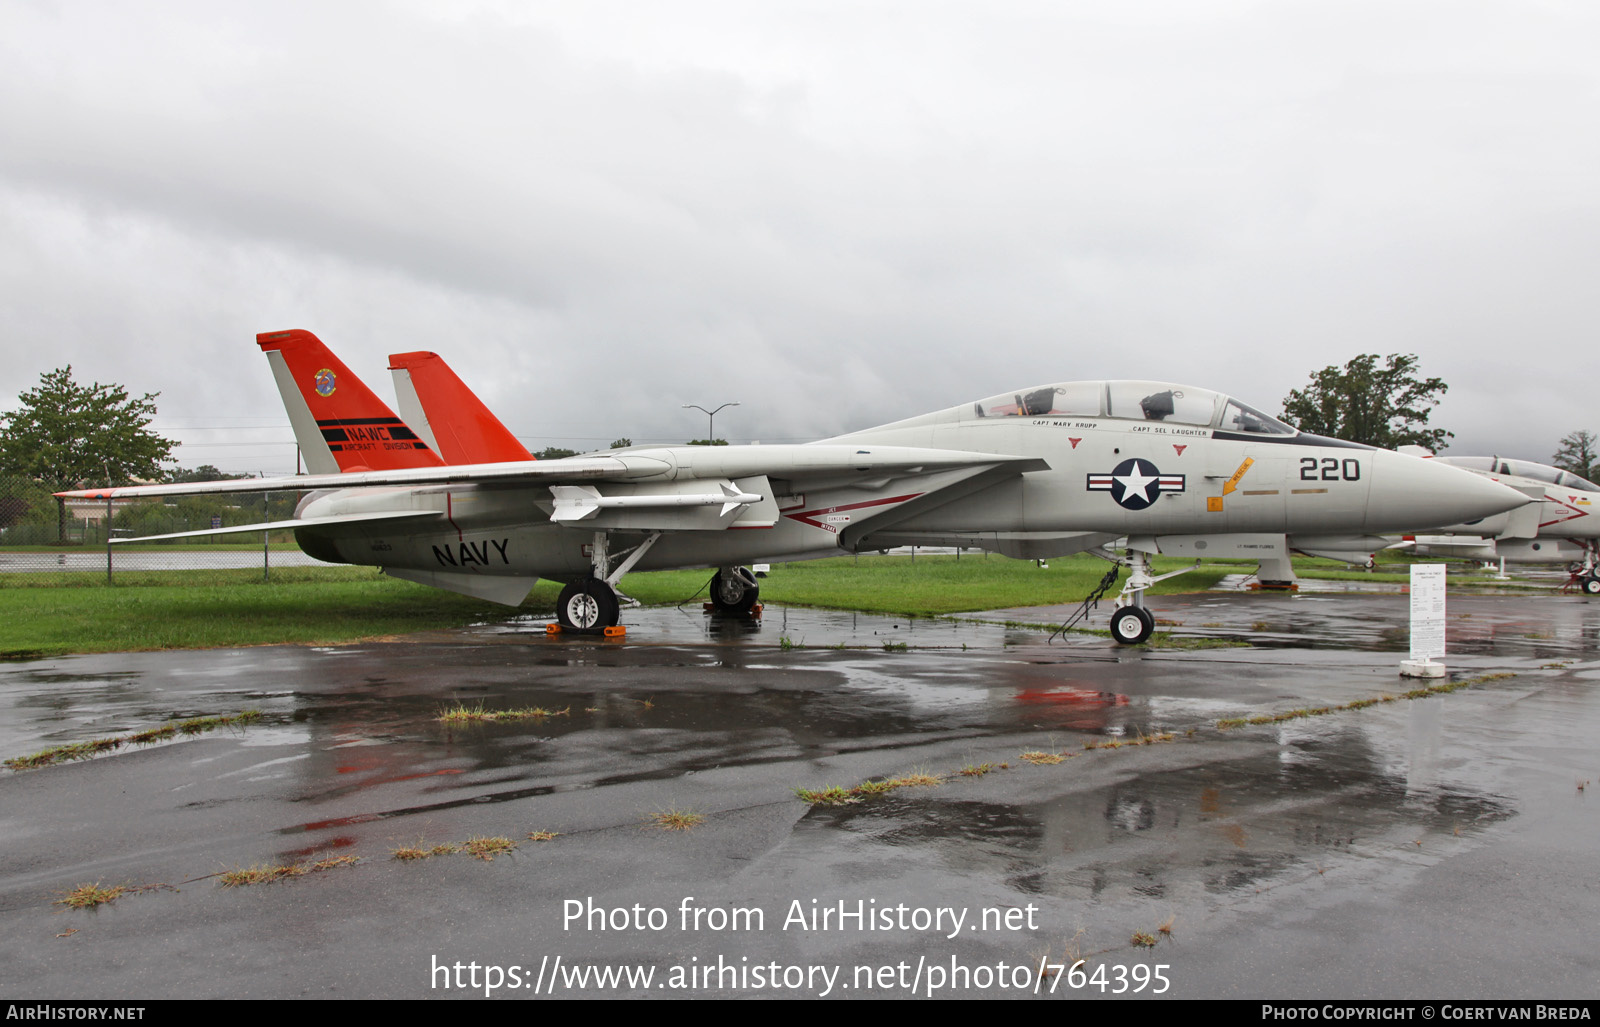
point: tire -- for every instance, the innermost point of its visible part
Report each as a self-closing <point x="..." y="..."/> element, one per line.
<point x="1132" y="625"/>
<point x="1591" y="585"/>
<point x="734" y="593"/>
<point x="587" y="607"/>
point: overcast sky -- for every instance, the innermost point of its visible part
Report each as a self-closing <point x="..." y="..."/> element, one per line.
<point x="836" y="214"/>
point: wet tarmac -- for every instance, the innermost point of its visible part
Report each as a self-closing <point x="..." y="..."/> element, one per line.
<point x="1433" y="847"/>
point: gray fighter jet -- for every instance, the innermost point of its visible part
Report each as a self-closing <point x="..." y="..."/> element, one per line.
<point x="1041" y="472"/>
<point x="1562" y="525"/>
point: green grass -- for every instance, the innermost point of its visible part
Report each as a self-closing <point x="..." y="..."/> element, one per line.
<point x="932" y="585"/>
<point x="88" y="896"/>
<point x="149" y="736"/>
<point x="145" y="610"/>
<point x="187" y="546"/>
<point x="314" y="606"/>
<point x="461" y="713"/>
<point x="1424" y="692"/>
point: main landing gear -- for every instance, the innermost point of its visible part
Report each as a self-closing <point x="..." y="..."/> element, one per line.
<point x="734" y="591"/>
<point x="591" y="605"/>
<point x="588" y="606"/>
<point x="1586" y="575"/>
<point x="1131" y="623"/>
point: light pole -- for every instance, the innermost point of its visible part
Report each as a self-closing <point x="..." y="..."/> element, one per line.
<point x="711" y="418"/>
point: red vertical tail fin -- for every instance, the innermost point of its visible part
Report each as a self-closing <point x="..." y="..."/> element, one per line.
<point x="340" y="423"/>
<point x="449" y="414"/>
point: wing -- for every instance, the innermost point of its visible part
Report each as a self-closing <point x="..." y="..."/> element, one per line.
<point x="667" y="488"/>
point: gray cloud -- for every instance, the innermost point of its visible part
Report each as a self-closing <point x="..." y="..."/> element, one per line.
<point x="836" y="214"/>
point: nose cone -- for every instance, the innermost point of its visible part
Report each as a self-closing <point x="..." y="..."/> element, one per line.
<point x="1411" y="494"/>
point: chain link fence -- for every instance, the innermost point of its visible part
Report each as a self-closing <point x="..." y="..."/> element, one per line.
<point x="43" y="540"/>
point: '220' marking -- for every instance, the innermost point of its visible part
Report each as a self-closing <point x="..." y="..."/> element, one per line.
<point x="1331" y="469"/>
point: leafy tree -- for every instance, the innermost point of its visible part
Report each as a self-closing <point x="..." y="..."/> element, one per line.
<point x="707" y="442"/>
<point x="1385" y="406"/>
<point x="23" y="499"/>
<point x="65" y="434"/>
<point x="554" y="453"/>
<point x="205" y="472"/>
<point x="1578" y="454"/>
<point x="622" y="444"/>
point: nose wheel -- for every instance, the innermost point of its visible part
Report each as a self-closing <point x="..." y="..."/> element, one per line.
<point x="1131" y="625"/>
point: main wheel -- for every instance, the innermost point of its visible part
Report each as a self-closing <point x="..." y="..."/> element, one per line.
<point x="734" y="592"/>
<point x="1132" y="625"/>
<point x="587" y="607"/>
<point x="1591" y="585"/>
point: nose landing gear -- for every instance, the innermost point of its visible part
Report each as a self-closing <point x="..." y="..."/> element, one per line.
<point x="1131" y="623"/>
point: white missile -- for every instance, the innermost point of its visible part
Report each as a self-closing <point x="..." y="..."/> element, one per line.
<point x="578" y="502"/>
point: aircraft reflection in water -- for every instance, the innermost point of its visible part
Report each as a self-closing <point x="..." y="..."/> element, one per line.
<point x="1050" y="471"/>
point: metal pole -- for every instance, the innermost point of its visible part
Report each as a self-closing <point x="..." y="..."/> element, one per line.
<point x="108" y="540"/>
<point x="711" y="417"/>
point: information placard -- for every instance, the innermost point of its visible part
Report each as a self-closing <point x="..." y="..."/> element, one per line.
<point x="1427" y="611"/>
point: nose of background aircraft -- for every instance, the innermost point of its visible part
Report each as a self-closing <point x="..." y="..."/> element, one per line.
<point x="1410" y="493"/>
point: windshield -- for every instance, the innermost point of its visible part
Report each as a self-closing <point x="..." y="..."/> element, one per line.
<point x="1238" y="417"/>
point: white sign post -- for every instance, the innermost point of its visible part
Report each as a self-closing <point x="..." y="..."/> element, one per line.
<point x="1427" y="622"/>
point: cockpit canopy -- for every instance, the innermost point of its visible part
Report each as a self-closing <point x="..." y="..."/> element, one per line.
<point x="1522" y="469"/>
<point x="1133" y="400"/>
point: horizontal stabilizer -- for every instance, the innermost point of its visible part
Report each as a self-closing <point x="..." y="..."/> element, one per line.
<point x="301" y="522"/>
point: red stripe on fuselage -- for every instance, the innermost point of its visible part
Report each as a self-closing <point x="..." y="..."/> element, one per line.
<point x="808" y="516"/>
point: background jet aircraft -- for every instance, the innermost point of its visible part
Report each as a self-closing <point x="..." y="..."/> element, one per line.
<point x="1050" y="471"/>
<point x="1563" y="526"/>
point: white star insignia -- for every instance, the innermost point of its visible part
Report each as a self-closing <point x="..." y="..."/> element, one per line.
<point x="1136" y="481"/>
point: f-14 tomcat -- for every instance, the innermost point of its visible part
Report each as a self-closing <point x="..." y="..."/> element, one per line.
<point x="1561" y="526"/>
<point x="1046" y="471"/>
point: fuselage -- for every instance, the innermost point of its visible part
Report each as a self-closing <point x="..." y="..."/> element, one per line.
<point x="1111" y="459"/>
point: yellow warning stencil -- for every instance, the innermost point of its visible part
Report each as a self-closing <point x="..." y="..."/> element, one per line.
<point x="1233" y="482"/>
